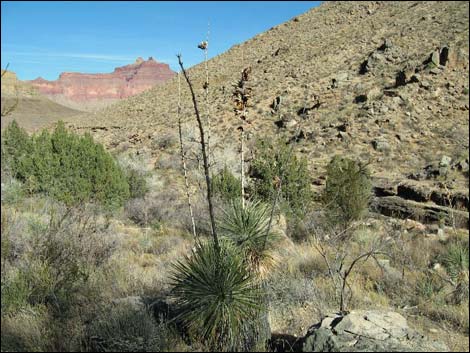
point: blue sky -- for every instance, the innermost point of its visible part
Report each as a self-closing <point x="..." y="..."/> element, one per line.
<point x="42" y="38"/>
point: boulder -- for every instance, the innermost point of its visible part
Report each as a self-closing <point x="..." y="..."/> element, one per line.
<point x="369" y="331"/>
<point x="339" y="79"/>
<point x="381" y="145"/>
<point x="397" y="207"/>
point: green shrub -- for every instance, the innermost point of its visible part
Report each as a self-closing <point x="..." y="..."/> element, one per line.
<point x="138" y="186"/>
<point x="347" y="192"/>
<point x="16" y="146"/>
<point x="277" y="162"/>
<point x="71" y="168"/>
<point x="217" y="296"/>
<point x="226" y="185"/>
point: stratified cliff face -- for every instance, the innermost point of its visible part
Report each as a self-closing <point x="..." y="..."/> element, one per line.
<point x="124" y="82"/>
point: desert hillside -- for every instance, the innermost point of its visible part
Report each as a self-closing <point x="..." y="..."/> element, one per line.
<point x="386" y="82"/>
<point x="25" y="104"/>
<point x="304" y="191"/>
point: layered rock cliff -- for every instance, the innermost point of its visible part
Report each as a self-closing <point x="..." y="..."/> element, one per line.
<point x="83" y="91"/>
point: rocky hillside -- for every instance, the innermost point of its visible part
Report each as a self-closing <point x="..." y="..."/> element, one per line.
<point x="85" y="91"/>
<point x="386" y="82"/>
<point x="23" y="103"/>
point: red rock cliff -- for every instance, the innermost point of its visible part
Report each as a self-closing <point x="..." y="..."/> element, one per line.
<point x="125" y="81"/>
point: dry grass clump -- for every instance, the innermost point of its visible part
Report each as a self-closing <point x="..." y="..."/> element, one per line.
<point x="62" y="269"/>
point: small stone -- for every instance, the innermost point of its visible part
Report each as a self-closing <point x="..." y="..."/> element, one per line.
<point x="435" y="58"/>
<point x="445" y="161"/>
<point x="381" y="145"/>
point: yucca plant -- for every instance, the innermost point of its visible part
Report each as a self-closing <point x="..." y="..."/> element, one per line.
<point x="248" y="228"/>
<point x="456" y="262"/>
<point x="217" y="295"/>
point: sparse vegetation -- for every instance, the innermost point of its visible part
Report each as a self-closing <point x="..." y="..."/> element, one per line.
<point x="199" y="258"/>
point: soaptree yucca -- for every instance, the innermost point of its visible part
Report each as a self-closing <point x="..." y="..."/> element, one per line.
<point x="456" y="262"/>
<point x="217" y="295"/>
<point x="248" y="228"/>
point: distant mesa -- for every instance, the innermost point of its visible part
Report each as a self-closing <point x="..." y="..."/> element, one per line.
<point x="123" y="82"/>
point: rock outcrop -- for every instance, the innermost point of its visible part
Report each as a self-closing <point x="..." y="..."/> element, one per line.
<point x="367" y="331"/>
<point x="124" y="82"/>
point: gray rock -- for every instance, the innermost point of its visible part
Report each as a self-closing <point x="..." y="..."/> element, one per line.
<point x="394" y="206"/>
<point x="135" y="302"/>
<point x="373" y="93"/>
<point x="291" y="123"/>
<point x="445" y="161"/>
<point x="321" y="340"/>
<point x="381" y="145"/>
<point x="339" y="79"/>
<point x="435" y="58"/>
<point x="367" y="331"/>
<point x="462" y="165"/>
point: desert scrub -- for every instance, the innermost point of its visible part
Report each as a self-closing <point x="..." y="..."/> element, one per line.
<point x="27" y="331"/>
<point x="274" y="162"/>
<point x="226" y="185"/>
<point x="71" y="168"/>
<point x="136" y="172"/>
<point x="126" y="327"/>
<point x="137" y="181"/>
<point x="12" y="190"/>
<point x="347" y="192"/>
<point x="15" y="147"/>
<point x="217" y="296"/>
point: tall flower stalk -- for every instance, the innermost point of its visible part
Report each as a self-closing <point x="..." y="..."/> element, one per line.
<point x="241" y="98"/>
<point x="183" y="160"/>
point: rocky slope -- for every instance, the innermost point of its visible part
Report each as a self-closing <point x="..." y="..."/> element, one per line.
<point x="23" y="103"/>
<point x="81" y="90"/>
<point x="385" y="82"/>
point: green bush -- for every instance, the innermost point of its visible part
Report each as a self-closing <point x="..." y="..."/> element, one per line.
<point x="138" y="186"/>
<point x="16" y="146"/>
<point x="226" y="185"/>
<point x="71" y="168"/>
<point x="347" y="192"/>
<point x="277" y="162"/>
